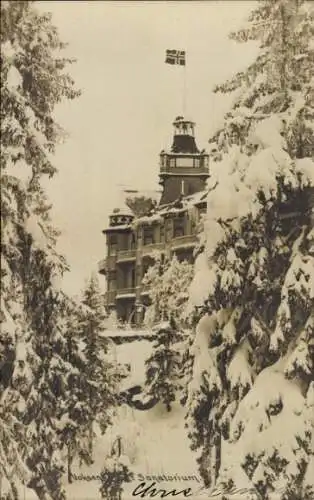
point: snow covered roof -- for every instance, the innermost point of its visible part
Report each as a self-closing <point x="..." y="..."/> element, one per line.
<point x="197" y="197"/>
<point x="155" y="217"/>
<point x="186" y="119"/>
<point x="180" y="205"/>
<point x="112" y="334"/>
<point x="123" y="210"/>
<point x="117" y="228"/>
<point x="184" y="203"/>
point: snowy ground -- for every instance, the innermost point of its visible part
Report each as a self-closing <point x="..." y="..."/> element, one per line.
<point x="154" y="441"/>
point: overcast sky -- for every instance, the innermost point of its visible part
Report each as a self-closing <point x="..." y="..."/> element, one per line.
<point x="129" y="99"/>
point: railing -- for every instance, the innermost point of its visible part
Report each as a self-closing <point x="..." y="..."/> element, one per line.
<point x="108" y="264"/>
<point x="185" y="170"/>
<point x="153" y="247"/>
<point x="182" y="241"/>
<point x="125" y="292"/>
<point x="124" y="255"/>
<point x="102" y="266"/>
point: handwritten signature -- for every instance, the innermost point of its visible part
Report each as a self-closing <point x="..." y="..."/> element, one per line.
<point x="143" y="490"/>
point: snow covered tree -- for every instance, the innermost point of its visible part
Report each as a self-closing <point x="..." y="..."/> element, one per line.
<point x="250" y="406"/>
<point x="114" y="474"/>
<point x="33" y="388"/>
<point x="101" y="376"/>
<point x="73" y="418"/>
<point x="168" y="281"/>
<point x="164" y="365"/>
<point x="169" y="367"/>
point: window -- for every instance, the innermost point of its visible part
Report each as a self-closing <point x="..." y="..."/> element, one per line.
<point x="196" y="162"/>
<point x="185" y="162"/>
<point x="148" y="236"/>
<point x="163" y="160"/>
<point x="133" y="278"/>
<point x="111" y="285"/>
<point x="113" y="244"/>
<point x="112" y="280"/>
<point x="133" y="242"/>
<point x="178" y="227"/>
<point x="124" y="241"/>
<point x="172" y="162"/>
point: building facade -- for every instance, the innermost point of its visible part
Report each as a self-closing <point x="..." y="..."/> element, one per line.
<point x="170" y="229"/>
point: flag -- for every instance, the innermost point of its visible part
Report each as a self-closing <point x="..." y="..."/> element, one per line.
<point x="175" y="57"/>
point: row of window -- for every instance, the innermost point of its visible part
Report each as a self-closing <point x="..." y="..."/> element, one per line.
<point x="149" y="237"/>
<point x="126" y="280"/>
<point x="184" y="162"/>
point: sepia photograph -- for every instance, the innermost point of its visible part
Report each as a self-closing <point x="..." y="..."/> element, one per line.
<point x="157" y="250"/>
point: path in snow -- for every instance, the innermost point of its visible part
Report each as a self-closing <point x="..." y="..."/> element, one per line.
<point x="155" y="440"/>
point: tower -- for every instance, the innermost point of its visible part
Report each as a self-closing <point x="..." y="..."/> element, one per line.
<point x="119" y="266"/>
<point x="184" y="169"/>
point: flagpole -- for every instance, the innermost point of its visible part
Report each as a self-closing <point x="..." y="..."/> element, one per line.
<point x="184" y="91"/>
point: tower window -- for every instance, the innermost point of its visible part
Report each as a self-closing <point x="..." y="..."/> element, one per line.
<point x="113" y="245"/>
<point x="172" y="162"/>
<point x="185" y="162"/>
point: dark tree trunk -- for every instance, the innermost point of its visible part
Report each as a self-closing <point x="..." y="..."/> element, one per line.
<point x="90" y="439"/>
<point x="70" y="461"/>
<point x="218" y="454"/>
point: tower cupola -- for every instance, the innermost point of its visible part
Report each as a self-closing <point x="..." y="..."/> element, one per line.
<point x="183" y="137"/>
<point x="184" y="169"/>
<point x="120" y="216"/>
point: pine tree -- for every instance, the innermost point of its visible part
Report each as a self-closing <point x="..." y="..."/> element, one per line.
<point x="169" y="367"/>
<point x="34" y="386"/>
<point x="73" y="419"/>
<point x="101" y="376"/>
<point x="163" y="366"/>
<point x="168" y="281"/>
<point x="253" y="351"/>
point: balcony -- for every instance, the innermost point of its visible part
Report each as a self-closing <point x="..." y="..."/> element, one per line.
<point x="183" y="241"/>
<point x="151" y="248"/>
<point x="102" y="266"/>
<point x="125" y="293"/>
<point x="126" y="255"/>
<point x="108" y="264"/>
<point x="110" y="298"/>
